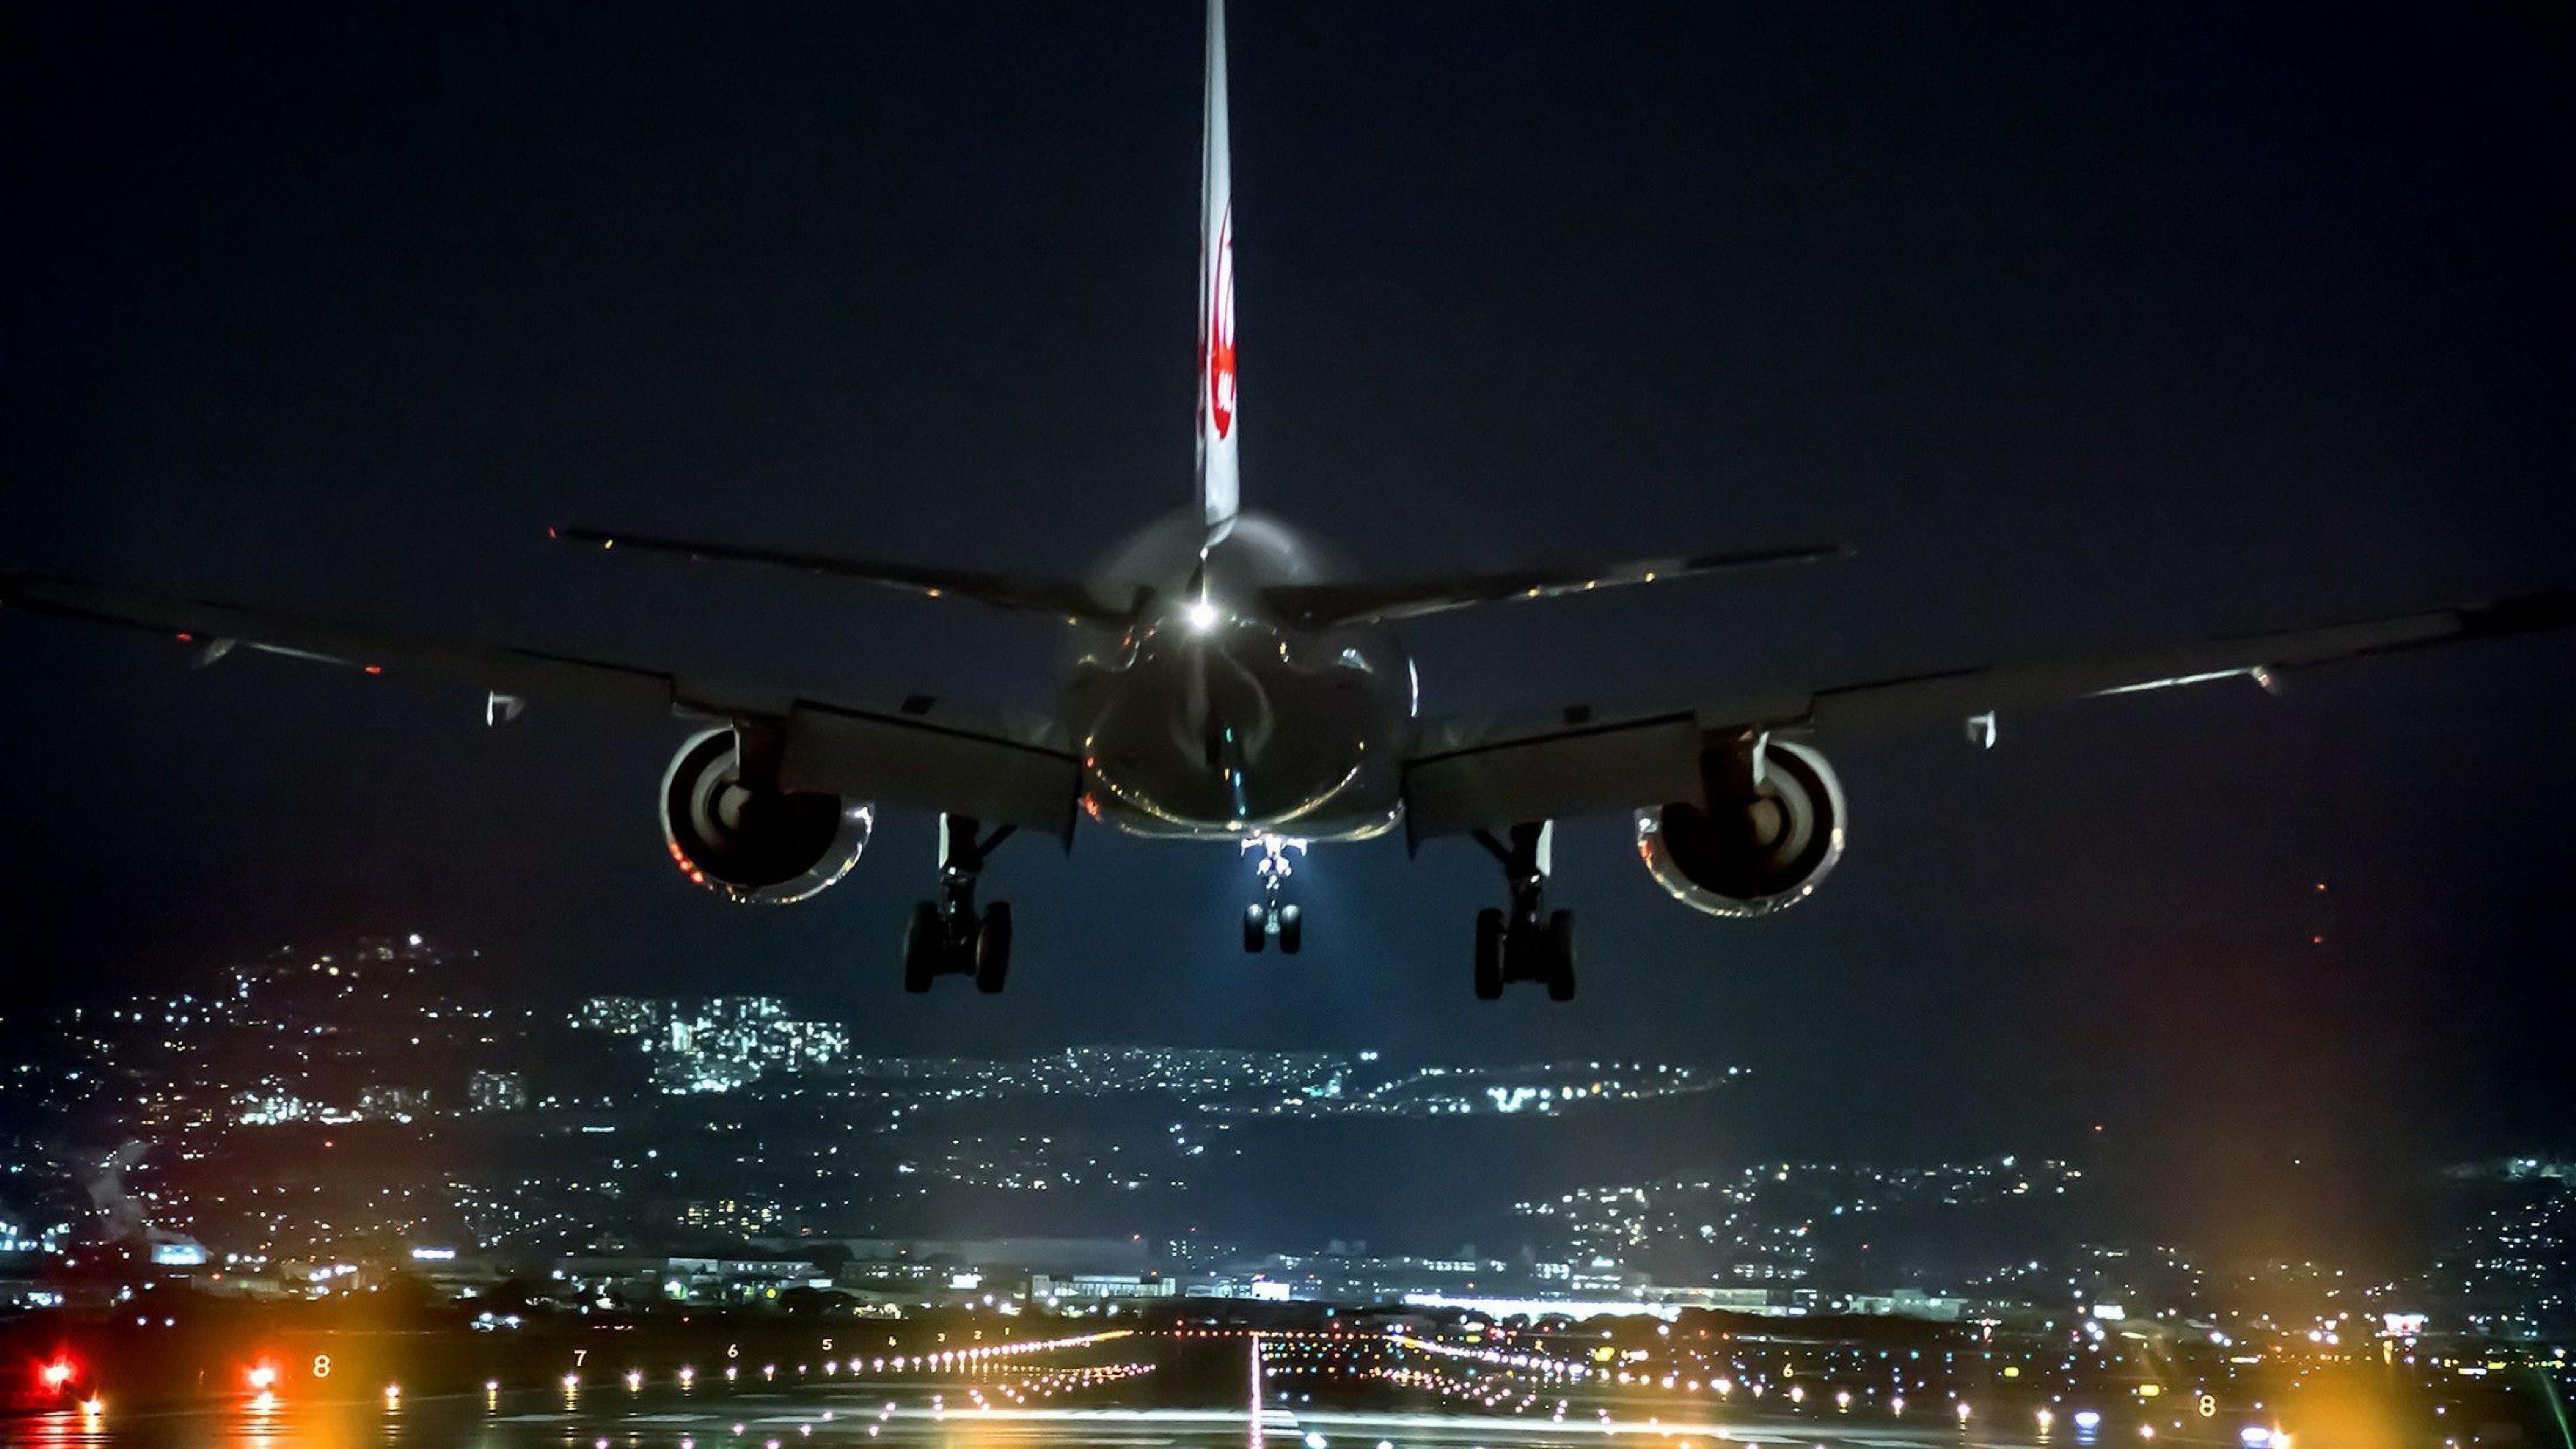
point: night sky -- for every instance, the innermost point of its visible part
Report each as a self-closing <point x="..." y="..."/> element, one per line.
<point x="2085" y="325"/>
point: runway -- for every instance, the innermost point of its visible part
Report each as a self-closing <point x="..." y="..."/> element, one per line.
<point x="1128" y="1400"/>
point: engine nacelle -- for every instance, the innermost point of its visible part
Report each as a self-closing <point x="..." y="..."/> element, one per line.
<point x="1749" y="857"/>
<point x="757" y="847"/>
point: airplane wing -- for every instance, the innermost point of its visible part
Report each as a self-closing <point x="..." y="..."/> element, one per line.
<point x="1319" y="606"/>
<point x="917" y="752"/>
<point x="1062" y="597"/>
<point x="1491" y="773"/>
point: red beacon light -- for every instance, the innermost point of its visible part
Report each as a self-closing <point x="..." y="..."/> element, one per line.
<point x="59" y="1373"/>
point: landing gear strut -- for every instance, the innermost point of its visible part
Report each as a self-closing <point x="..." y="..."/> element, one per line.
<point x="947" y="937"/>
<point x="1528" y="943"/>
<point x="1274" y="914"/>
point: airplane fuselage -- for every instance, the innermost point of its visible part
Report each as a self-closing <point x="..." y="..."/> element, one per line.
<point x="1210" y="719"/>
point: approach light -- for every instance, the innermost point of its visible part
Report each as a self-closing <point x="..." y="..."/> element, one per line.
<point x="1200" y="615"/>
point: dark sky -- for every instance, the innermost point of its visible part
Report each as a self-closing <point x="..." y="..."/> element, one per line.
<point x="2084" y="324"/>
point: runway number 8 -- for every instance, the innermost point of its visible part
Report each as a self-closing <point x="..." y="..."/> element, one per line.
<point x="321" y="1365"/>
<point x="2209" y="1406"/>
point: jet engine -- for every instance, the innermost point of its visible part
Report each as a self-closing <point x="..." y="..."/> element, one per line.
<point x="1750" y="851"/>
<point x="764" y="847"/>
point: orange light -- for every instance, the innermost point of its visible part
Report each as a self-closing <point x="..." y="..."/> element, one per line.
<point x="375" y="669"/>
<point x="264" y="1376"/>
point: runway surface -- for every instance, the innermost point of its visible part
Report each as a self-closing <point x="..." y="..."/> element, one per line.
<point x="1120" y="1402"/>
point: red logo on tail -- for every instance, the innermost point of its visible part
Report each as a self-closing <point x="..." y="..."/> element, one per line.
<point x="1218" y="351"/>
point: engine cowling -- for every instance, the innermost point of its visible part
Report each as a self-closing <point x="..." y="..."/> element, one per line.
<point x="753" y="846"/>
<point x="1756" y="856"/>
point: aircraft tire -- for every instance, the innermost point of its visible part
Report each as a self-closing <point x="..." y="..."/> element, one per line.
<point x="1489" y="954"/>
<point x="1256" y="930"/>
<point x="993" y="948"/>
<point x="1292" y="929"/>
<point x="922" y="944"/>
<point x="1560" y="956"/>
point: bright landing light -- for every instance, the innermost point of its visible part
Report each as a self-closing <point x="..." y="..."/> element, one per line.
<point x="1200" y="615"/>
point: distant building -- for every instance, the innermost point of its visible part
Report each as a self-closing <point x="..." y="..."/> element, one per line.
<point x="496" y="1092"/>
<point x="1046" y="1287"/>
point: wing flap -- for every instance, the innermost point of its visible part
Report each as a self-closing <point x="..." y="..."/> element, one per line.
<point x="1488" y="773"/>
<point x="1589" y="769"/>
<point x="911" y="761"/>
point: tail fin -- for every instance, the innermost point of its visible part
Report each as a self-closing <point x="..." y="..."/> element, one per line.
<point x="1220" y="494"/>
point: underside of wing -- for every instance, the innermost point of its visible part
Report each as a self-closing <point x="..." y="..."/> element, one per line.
<point x="914" y="752"/>
<point x="1474" y="774"/>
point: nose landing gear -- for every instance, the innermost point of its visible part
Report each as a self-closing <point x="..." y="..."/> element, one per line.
<point x="1528" y="943"/>
<point x="947" y="937"/>
<point x="1273" y="914"/>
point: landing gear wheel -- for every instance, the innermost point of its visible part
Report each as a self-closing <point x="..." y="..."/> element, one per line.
<point x="1256" y="929"/>
<point x="993" y="948"/>
<point x="1560" y="956"/>
<point x="1489" y="954"/>
<point x="1292" y="929"/>
<point x="923" y="941"/>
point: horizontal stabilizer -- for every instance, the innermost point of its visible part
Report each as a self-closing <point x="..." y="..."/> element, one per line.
<point x="1373" y="601"/>
<point x="1064" y="598"/>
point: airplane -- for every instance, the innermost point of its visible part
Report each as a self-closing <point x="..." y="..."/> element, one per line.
<point x="1233" y="684"/>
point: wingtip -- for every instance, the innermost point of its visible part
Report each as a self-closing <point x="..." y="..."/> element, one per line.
<point x="2517" y="614"/>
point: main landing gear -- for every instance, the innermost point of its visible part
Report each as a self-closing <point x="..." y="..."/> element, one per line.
<point x="1528" y="943"/>
<point x="947" y="937"/>
<point x="1274" y="914"/>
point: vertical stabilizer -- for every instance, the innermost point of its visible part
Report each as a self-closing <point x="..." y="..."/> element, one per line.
<point x="1220" y="492"/>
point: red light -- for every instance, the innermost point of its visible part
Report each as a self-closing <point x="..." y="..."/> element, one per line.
<point x="263" y="1376"/>
<point x="375" y="669"/>
<point x="58" y="1374"/>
